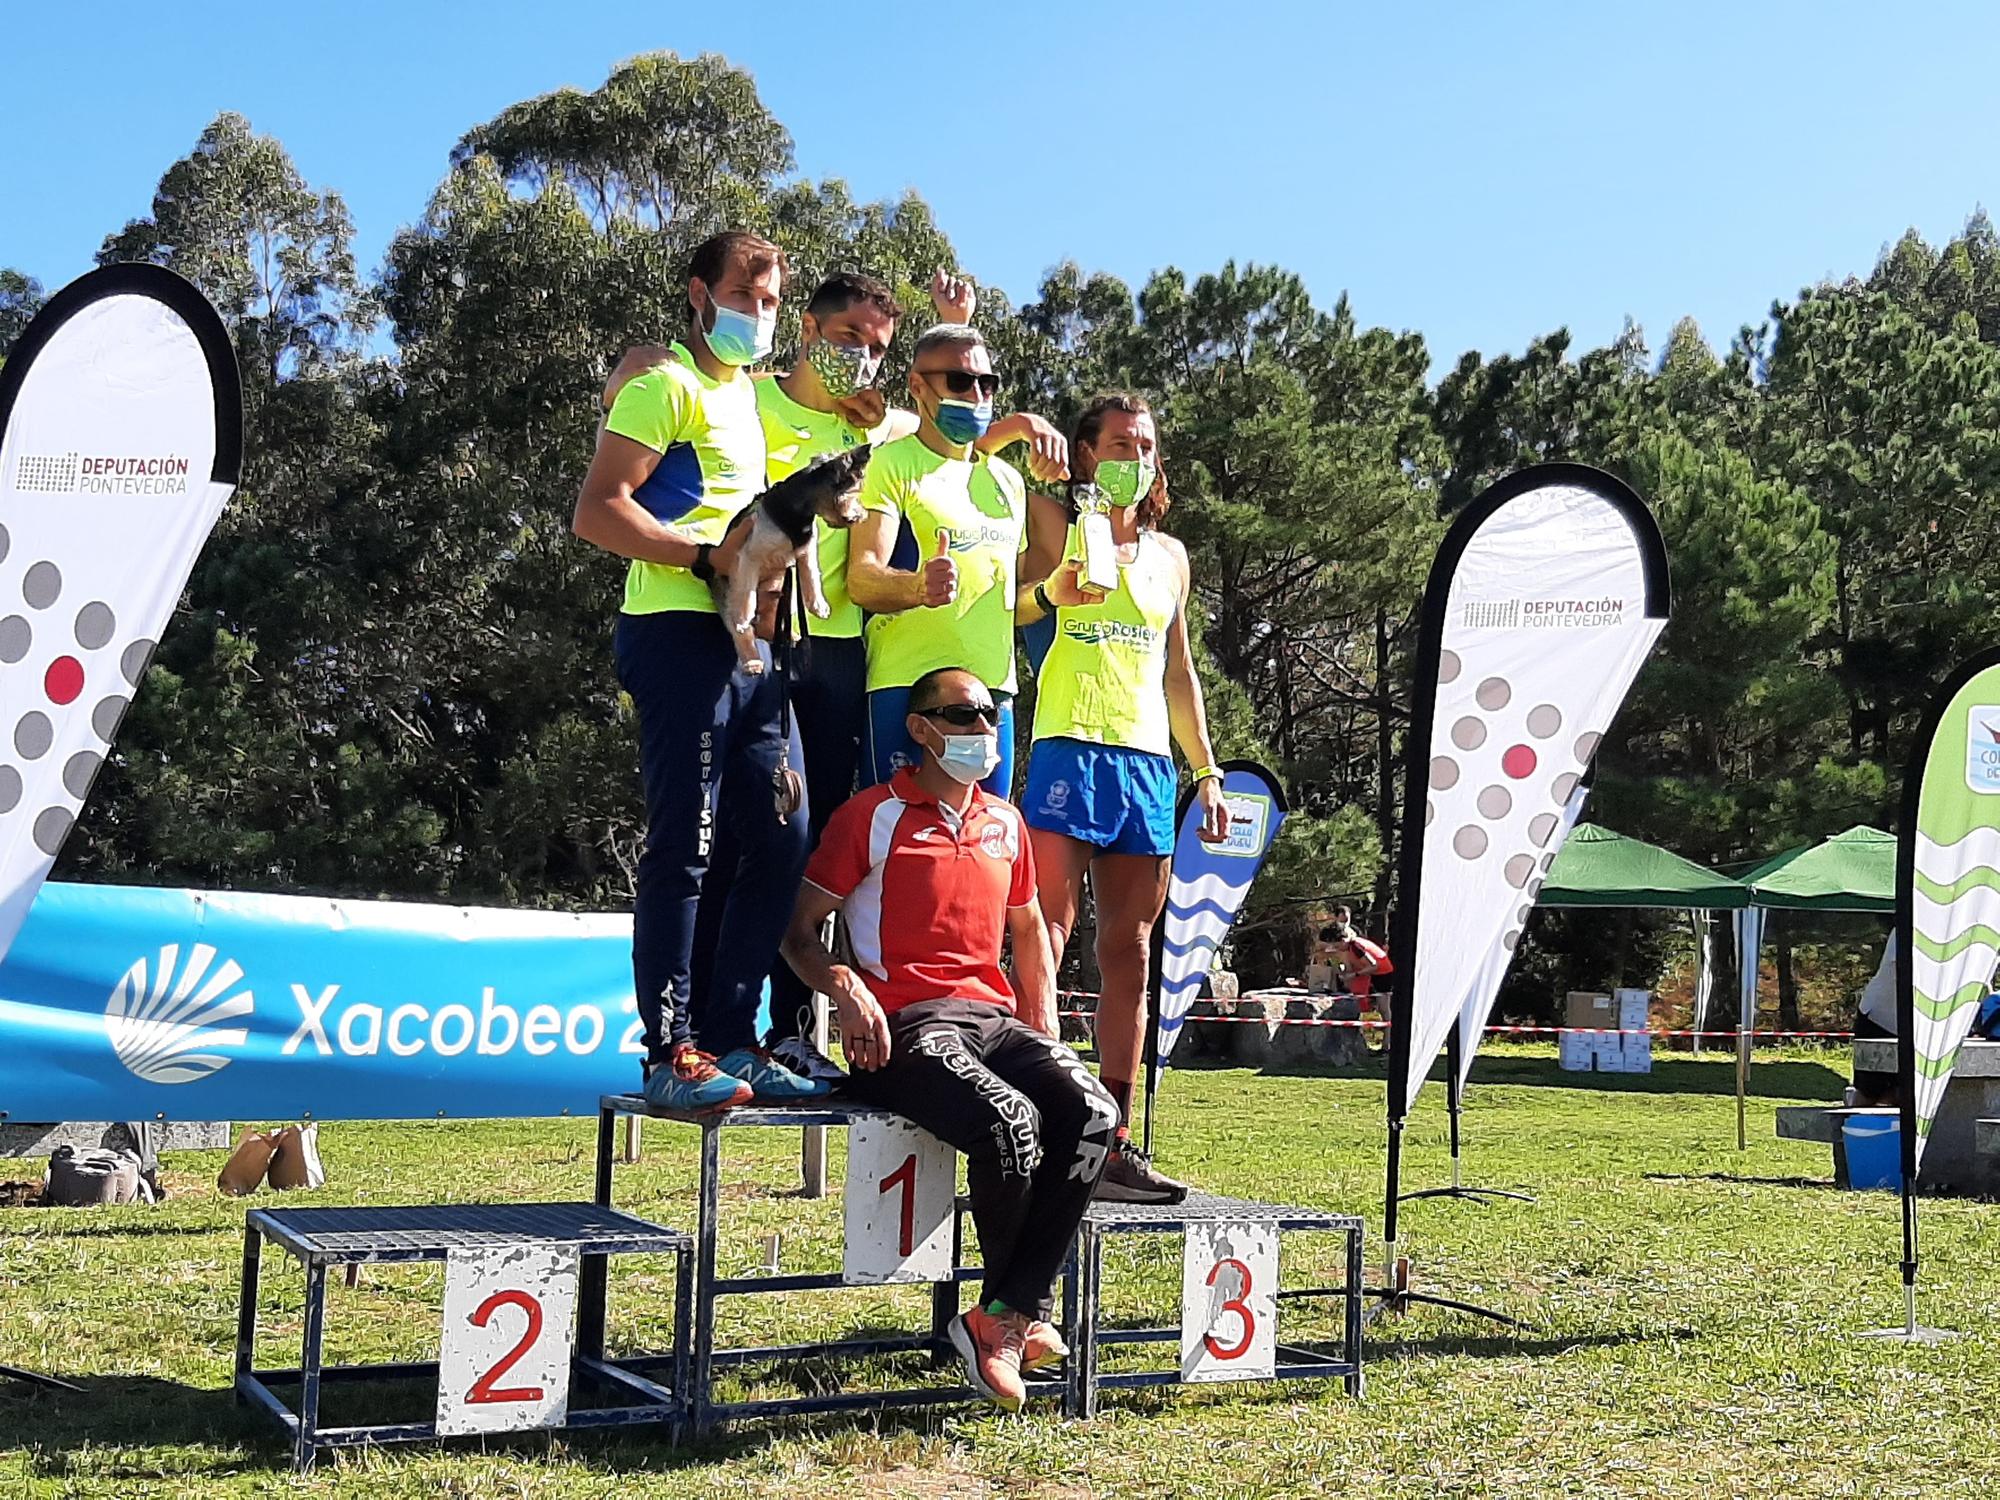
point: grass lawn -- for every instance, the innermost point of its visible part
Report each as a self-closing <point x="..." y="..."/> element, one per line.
<point x="1692" y="1315"/>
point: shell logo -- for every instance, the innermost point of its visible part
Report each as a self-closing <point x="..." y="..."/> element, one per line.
<point x="164" y="1025"/>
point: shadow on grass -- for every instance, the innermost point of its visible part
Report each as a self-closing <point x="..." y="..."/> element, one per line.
<point x="1735" y="1179"/>
<point x="1500" y="1346"/>
<point x="1671" y="1075"/>
<point x="116" y="1228"/>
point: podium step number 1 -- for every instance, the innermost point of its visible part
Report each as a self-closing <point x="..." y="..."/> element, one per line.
<point x="1229" y="1302"/>
<point x="901" y="1185"/>
<point x="504" y="1362"/>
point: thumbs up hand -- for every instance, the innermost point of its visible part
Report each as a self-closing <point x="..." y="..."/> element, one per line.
<point x="940" y="574"/>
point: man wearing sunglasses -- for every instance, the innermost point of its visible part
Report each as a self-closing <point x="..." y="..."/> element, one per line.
<point x="931" y="875"/>
<point x="934" y="558"/>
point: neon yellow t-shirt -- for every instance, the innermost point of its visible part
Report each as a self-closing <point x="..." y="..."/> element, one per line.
<point x="1104" y="679"/>
<point x="984" y="506"/>
<point x="711" y="445"/>
<point x="795" y="436"/>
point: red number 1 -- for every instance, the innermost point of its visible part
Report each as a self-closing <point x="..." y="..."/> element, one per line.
<point x="905" y="1177"/>
<point x="483" y="1390"/>
<point x="1236" y="1305"/>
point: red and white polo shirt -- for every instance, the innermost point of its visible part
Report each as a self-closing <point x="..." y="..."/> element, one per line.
<point x="924" y="891"/>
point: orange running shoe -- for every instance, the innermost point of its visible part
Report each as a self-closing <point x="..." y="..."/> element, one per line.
<point x="991" y="1346"/>
<point x="1041" y="1347"/>
<point x="692" y="1084"/>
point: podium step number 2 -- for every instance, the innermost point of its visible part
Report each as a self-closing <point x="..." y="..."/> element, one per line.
<point x="1229" y="1302"/>
<point x="504" y="1362"/>
<point x="901" y="1184"/>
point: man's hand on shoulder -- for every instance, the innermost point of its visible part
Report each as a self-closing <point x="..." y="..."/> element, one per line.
<point x="637" y="362"/>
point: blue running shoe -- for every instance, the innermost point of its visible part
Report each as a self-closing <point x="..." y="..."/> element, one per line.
<point x="692" y="1084"/>
<point x="771" y="1082"/>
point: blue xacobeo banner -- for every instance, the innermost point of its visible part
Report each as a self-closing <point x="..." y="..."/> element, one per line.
<point x="118" y="1003"/>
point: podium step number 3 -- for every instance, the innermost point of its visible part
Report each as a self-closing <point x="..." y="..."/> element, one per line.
<point x="1229" y="1302"/>
<point x="901" y="1185"/>
<point x="504" y="1361"/>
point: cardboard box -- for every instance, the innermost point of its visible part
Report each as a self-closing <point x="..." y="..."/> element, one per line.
<point x="1635" y="1009"/>
<point x="1574" y="1053"/>
<point x="1590" y="1009"/>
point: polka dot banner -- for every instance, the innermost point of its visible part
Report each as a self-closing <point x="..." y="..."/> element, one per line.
<point x="122" y="444"/>
<point x="1545" y="601"/>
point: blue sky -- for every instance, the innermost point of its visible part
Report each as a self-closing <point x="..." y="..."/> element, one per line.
<point x="1481" y="173"/>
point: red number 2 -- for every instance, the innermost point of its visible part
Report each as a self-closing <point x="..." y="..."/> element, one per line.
<point x="905" y="1177"/>
<point x="483" y="1390"/>
<point x="1236" y="1305"/>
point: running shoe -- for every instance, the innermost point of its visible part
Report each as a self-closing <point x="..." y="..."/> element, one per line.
<point x="991" y="1346"/>
<point x="692" y="1084"/>
<point x="1042" y="1346"/>
<point x="800" y="1056"/>
<point x="1129" y="1177"/>
<point x="771" y="1082"/>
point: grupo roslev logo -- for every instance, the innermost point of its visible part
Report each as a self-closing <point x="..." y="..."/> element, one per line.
<point x="167" y="1018"/>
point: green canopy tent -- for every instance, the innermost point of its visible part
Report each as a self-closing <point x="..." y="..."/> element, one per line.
<point x="1598" y="867"/>
<point x="1852" y="871"/>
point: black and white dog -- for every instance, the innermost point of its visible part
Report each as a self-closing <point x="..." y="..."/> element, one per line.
<point x="781" y="534"/>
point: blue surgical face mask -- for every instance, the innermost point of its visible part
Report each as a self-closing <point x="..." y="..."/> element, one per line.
<point x="963" y="421"/>
<point x="738" y="338"/>
<point x="969" y="757"/>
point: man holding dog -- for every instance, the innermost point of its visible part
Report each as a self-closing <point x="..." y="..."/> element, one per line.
<point x="681" y="454"/>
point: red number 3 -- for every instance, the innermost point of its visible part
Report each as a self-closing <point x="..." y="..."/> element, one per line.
<point x="1236" y="1305"/>
<point x="483" y="1390"/>
<point x="905" y="1177"/>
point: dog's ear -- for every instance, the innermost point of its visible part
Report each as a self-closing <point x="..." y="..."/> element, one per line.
<point x="857" y="459"/>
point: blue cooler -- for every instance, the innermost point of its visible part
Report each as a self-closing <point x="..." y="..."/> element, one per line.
<point x="1874" y="1152"/>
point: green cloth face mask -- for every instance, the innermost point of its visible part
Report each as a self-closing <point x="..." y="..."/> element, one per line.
<point x="1125" y="481"/>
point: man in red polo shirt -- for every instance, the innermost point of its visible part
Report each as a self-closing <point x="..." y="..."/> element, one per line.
<point x="931" y="873"/>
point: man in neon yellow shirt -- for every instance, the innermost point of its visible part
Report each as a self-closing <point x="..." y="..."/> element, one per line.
<point x="680" y="455"/>
<point x="934" y="558"/>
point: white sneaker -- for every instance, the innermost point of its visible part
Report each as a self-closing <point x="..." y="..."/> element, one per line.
<point x="806" y="1060"/>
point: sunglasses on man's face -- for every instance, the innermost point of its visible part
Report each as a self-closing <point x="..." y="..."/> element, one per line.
<point x="963" y="715"/>
<point x="964" y="382"/>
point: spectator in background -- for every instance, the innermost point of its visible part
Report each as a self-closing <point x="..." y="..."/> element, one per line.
<point x="1878" y="1019"/>
<point x="1364" y="965"/>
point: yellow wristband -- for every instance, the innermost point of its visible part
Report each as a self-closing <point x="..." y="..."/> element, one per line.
<point x="1207" y="771"/>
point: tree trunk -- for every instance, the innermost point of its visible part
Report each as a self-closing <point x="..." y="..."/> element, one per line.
<point x="1788" y="982"/>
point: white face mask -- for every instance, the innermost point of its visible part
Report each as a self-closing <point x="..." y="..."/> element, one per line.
<point x="969" y="757"/>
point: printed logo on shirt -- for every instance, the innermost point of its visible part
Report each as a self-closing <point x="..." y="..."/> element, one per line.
<point x="998" y="841"/>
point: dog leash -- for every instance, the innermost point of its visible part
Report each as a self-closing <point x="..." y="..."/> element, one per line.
<point x="787" y="786"/>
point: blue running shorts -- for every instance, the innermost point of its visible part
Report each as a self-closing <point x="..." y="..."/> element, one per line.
<point x="1120" y="800"/>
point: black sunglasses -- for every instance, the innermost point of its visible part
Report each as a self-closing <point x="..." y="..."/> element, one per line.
<point x="962" y="715"/>
<point x="964" y="382"/>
